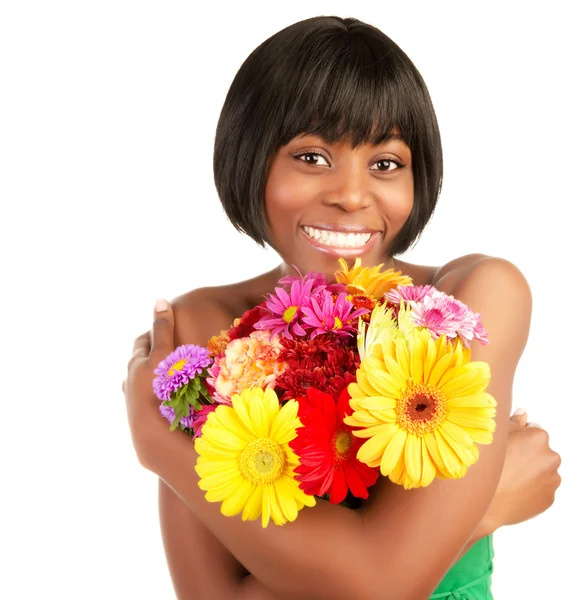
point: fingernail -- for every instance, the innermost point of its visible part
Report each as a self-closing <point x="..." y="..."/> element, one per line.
<point x="161" y="305"/>
<point x="519" y="412"/>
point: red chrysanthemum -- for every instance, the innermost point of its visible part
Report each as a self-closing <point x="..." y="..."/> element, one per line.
<point x="325" y="363"/>
<point x="246" y="324"/>
<point x="327" y="449"/>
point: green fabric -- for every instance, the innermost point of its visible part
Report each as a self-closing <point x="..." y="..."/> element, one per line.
<point x="470" y="577"/>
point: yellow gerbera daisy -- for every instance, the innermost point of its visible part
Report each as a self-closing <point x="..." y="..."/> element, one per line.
<point x="369" y="281"/>
<point x="245" y="461"/>
<point x="423" y="406"/>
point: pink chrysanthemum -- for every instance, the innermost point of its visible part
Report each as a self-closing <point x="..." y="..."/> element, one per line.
<point x="194" y="421"/>
<point x="329" y="315"/>
<point x="445" y="315"/>
<point x="180" y="366"/>
<point x="415" y="293"/>
<point x="285" y="309"/>
<point x="319" y="282"/>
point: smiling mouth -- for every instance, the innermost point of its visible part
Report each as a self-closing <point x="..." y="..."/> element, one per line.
<point x="338" y="239"/>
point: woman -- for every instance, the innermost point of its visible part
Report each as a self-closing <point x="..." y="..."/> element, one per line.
<point x="327" y="146"/>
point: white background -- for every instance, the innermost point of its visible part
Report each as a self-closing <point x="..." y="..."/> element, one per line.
<point x="107" y="120"/>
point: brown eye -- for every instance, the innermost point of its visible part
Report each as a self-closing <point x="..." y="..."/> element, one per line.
<point x="388" y="162"/>
<point x="309" y="154"/>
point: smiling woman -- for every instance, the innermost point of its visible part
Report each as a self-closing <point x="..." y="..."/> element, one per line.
<point x="339" y="205"/>
<point x="328" y="146"/>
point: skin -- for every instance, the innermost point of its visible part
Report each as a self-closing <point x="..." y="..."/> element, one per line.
<point x="332" y="552"/>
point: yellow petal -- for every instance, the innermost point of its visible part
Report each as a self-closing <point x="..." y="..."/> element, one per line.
<point x="413" y="456"/>
<point x="384" y="385"/>
<point x="226" y="417"/>
<point x="465" y="384"/>
<point x="396" y="371"/>
<point x="253" y="506"/>
<point x="224" y="446"/>
<point x="452" y="464"/>
<point x="286" y="495"/>
<point x="439" y="370"/>
<point x="393" y="452"/>
<point x="276" y="512"/>
<point x="283" y="428"/>
<point x="402" y="356"/>
<point x="259" y="414"/>
<point x="458" y="434"/>
<point x="368" y="432"/>
<point x="428" y="468"/>
<point x="242" y="410"/>
<point x="473" y="418"/>
<point x="377" y="403"/>
<point x="237" y="500"/>
<point x="266" y="504"/>
<point x="218" y="478"/>
<point x="482" y="399"/>
<point x="364" y="386"/>
<point x="417" y="358"/>
<point x="480" y="436"/>
<point x="374" y="448"/>
<point x="430" y="360"/>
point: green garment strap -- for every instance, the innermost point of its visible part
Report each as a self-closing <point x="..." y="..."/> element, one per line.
<point x="470" y="577"/>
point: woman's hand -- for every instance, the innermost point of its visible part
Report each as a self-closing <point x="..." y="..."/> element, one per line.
<point x="529" y="478"/>
<point x="145" y="421"/>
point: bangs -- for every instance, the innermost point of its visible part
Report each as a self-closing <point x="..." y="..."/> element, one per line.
<point x="359" y="94"/>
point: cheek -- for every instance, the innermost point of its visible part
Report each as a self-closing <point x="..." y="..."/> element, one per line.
<point x="285" y="198"/>
<point x="399" y="204"/>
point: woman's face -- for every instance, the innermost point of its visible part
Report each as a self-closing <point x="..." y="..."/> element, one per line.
<point x="324" y="201"/>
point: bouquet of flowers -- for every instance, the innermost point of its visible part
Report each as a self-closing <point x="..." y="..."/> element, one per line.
<point x="323" y="386"/>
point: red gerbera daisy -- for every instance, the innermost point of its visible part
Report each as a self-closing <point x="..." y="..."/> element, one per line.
<point x="328" y="451"/>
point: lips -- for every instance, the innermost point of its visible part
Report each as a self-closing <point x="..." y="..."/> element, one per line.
<point x="341" y="241"/>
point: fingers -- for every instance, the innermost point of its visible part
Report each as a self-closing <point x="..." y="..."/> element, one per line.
<point x="162" y="334"/>
<point x="518" y="419"/>
<point x="531" y="424"/>
<point x="142" y="345"/>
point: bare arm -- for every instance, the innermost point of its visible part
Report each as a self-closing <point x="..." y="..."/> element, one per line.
<point x="336" y="553"/>
<point x="200" y="566"/>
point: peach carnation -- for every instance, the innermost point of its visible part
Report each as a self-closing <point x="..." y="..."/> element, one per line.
<point x="247" y="362"/>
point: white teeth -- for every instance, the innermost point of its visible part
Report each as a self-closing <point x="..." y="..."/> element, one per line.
<point x="337" y="238"/>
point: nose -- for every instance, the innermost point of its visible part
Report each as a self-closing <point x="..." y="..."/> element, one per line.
<point x="349" y="188"/>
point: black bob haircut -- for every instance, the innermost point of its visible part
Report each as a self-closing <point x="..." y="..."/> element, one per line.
<point x="338" y="78"/>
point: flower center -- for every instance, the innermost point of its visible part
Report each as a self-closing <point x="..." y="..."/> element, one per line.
<point x="342" y="443"/>
<point x="338" y="323"/>
<point x="289" y="314"/>
<point x="177" y="366"/>
<point x="422" y="409"/>
<point x="262" y="461"/>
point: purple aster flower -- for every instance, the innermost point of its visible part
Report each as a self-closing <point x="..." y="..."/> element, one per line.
<point x="180" y="366"/>
<point x="285" y="309"/>
<point x="329" y="315"/>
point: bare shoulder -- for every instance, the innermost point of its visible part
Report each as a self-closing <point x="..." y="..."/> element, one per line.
<point x="497" y="289"/>
<point x="489" y="273"/>
<point x="204" y="312"/>
<point x="200" y="314"/>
